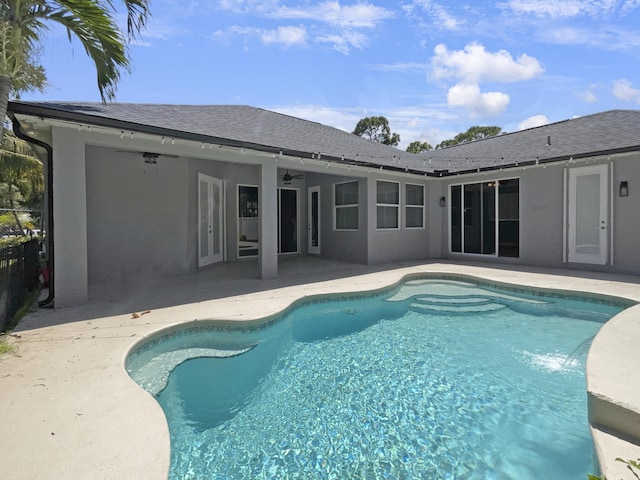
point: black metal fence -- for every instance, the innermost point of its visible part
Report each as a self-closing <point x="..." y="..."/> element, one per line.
<point x="19" y="267"/>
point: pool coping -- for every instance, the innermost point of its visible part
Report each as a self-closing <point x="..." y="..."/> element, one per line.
<point x="71" y="411"/>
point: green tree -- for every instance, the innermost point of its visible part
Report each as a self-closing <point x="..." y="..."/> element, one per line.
<point x="377" y="129"/>
<point x="419" y="147"/>
<point x="21" y="182"/>
<point x="24" y="22"/>
<point x="471" y="135"/>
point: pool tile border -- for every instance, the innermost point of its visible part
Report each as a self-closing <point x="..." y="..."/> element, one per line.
<point x="226" y="326"/>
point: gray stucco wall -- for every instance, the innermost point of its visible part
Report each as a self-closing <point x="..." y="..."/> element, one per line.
<point x="401" y="244"/>
<point x="541" y="217"/>
<point x="348" y="246"/>
<point x="626" y="247"/>
<point x="137" y="216"/>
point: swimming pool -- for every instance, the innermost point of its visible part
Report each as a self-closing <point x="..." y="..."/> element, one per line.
<point x="432" y="379"/>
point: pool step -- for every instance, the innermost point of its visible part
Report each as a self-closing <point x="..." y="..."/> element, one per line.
<point x="453" y="309"/>
<point x="452" y="300"/>
<point x="154" y="375"/>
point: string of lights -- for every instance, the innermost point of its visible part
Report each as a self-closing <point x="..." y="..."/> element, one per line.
<point x="432" y="163"/>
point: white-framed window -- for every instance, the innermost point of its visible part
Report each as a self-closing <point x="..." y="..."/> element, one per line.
<point x="413" y="205"/>
<point x="387" y="205"/>
<point x="345" y="203"/>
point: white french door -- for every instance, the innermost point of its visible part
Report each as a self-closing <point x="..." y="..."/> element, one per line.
<point x="210" y="220"/>
<point x="588" y="207"/>
<point x="313" y="219"/>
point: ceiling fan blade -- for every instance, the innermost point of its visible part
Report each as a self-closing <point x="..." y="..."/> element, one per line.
<point x="148" y="154"/>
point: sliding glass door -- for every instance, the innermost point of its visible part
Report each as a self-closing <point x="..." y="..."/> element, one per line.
<point x="473" y="214"/>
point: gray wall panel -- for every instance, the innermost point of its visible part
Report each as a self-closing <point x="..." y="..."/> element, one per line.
<point x="136" y="215"/>
<point x="627" y="215"/>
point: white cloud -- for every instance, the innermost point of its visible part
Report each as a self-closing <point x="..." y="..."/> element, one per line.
<point x="624" y="90"/>
<point x="329" y="21"/>
<point x="630" y="5"/>
<point x="474" y="65"/>
<point x="287" y="36"/>
<point x="344" y="42"/>
<point x="605" y="37"/>
<point x="241" y="6"/>
<point x="470" y="97"/>
<point x="561" y="8"/>
<point x="440" y="17"/>
<point x="399" y="67"/>
<point x="534" y="121"/>
<point x="360" y="15"/>
<point x="588" y="96"/>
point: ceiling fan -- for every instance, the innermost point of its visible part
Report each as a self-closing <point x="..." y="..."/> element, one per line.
<point x="150" y="158"/>
<point x="287" y="177"/>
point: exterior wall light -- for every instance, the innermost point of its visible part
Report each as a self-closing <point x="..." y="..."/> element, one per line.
<point x="624" y="189"/>
<point x="443" y="201"/>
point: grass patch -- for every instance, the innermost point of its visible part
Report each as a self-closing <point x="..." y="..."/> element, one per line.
<point x="5" y="346"/>
<point x="31" y="299"/>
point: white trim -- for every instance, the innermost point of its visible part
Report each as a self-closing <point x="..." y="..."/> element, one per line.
<point x="612" y="195"/>
<point x="237" y="212"/>
<point x="587" y="258"/>
<point x="297" y="190"/>
<point x="565" y="205"/>
<point x="224" y="222"/>
<point x="212" y="256"/>
<point x="423" y="206"/>
<point x="314" y="250"/>
<point x="349" y="205"/>
<point x="389" y="205"/>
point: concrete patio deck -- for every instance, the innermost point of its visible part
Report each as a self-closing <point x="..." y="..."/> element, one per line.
<point x="70" y="411"/>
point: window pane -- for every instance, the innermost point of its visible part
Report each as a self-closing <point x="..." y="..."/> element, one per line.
<point x="414" y="217"/>
<point x="387" y="217"/>
<point x="388" y="192"/>
<point x="472" y="218"/>
<point x="489" y="218"/>
<point x="204" y="219"/>
<point x="217" y="221"/>
<point x="347" y="218"/>
<point x="508" y="199"/>
<point x="509" y="214"/>
<point x="456" y="218"/>
<point x="288" y="208"/>
<point x="346" y="193"/>
<point x="587" y="214"/>
<point x="414" y="194"/>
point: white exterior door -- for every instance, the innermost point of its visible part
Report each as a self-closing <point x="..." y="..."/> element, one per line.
<point x="210" y="220"/>
<point x="313" y="219"/>
<point x="588" y="229"/>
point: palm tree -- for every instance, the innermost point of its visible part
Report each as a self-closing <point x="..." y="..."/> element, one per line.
<point x="22" y="23"/>
<point x="21" y="179"/>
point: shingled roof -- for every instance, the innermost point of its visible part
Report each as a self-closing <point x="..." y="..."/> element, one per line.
<point x="232" y="125"/>
<point x="604" y="133"/>
<point x="610" y="132"/>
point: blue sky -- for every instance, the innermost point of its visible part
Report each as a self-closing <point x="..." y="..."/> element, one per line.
<point x="432" y="68"/>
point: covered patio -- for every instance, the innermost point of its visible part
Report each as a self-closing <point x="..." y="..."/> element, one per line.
<point x="71" y="411"/>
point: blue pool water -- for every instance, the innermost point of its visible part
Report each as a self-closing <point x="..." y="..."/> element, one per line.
<point x="435" y="379"/>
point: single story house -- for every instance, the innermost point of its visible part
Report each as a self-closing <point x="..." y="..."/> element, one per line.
<point x="152" y="190"/>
